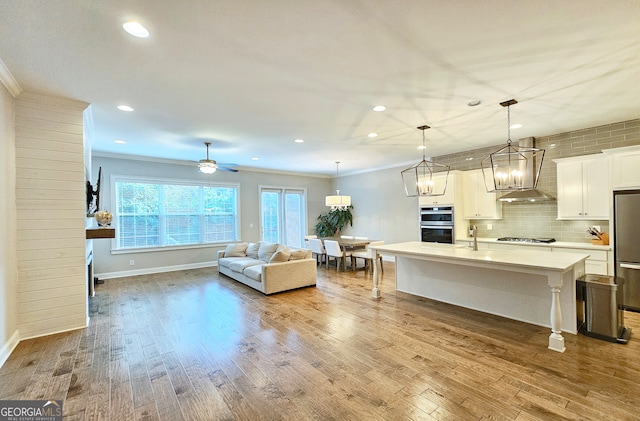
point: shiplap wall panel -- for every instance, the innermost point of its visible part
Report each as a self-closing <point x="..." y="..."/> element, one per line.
<point x="44" y="276"/>
<point x="50" y="201"/>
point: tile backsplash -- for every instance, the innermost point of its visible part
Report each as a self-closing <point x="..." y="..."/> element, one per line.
<point x="539" y="220"/>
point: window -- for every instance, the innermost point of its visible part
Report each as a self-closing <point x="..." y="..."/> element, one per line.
<point x="283" y="215"/>
<point x="151" y="213"/>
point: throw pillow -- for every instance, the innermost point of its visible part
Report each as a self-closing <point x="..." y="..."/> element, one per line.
<point x="281" y="255"/>
<point x="252" y="250"/>
<point x="236" y="250"/>
<point x="296" y="254"/>
<point x="266" y="251"/>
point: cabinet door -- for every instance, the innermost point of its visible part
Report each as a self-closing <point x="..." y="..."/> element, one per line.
<point x="447" y="198"/>
<point x="470" y="195"/>
<point x="625" y="170"/>
<point x="595" y="189"/>
<point x="570" y="189"/>
<point x="478" y="203"/>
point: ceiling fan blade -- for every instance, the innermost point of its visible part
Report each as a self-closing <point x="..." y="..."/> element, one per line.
<point x="227" y="169"/>
<point x="228" y="165"/>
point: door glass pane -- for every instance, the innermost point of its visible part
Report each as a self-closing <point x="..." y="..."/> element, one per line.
<point x="294" y="230"/>
<point x="271" y="216"/>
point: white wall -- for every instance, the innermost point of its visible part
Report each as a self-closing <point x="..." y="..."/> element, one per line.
<point x="381" y="210"/>
<point x="8" y="262"/>
<point x="108" y="265"/>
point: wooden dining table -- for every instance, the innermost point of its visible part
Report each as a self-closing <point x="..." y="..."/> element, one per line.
<point x="348" y="244"/>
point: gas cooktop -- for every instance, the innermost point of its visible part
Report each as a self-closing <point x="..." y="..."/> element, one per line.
<point x="527" y="240"/>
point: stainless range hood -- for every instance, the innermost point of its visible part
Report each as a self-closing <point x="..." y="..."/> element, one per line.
<point x="530" y="195"/>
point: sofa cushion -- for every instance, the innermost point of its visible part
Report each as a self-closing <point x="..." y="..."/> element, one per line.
<point x="236" y="250"/>
<point x="297" y="254"/>
<point x="281" y="255"/>
<point x="252" y="249"/>
<point x="254" y="272"/>
<point x="266" y="251"/>
<point x="241" y="264"/>
<point x="226" y="261"/>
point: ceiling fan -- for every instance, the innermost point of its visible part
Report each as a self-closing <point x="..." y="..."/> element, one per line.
<point x="209" y="166"/>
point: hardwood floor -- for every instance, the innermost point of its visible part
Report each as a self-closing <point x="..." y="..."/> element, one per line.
<point x="193" y="345"/>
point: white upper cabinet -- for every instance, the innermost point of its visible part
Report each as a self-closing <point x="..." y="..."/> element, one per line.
<point x="449" y="195"/>
<point x="583" y="187"/>
<point x="477" y="203"/>
<point x="625" y="167"/>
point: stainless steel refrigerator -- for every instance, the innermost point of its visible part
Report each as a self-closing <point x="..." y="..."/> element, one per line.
<point x="626" y="206"/>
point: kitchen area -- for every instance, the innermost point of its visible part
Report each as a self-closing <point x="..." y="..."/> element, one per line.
<point x="588" y="205"/>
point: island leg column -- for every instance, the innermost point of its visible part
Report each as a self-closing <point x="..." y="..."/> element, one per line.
<point x="556" y="341"/>
<point x="375" y="292"/>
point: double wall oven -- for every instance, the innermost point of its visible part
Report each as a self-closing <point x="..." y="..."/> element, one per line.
<point x="436" y="224"/>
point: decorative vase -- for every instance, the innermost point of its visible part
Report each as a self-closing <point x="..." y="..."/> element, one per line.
<point x="103" y="218"/>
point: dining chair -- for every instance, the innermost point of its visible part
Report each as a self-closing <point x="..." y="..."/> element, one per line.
<point x="334" y="250"/>
<point x="316" y="247"/>
<point x="369" y="255"/>
<point x="308" y="237"/>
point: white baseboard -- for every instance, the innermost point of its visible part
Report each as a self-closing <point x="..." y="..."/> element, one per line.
<point x="159" y="269"/>
<point x="8" y="347"/>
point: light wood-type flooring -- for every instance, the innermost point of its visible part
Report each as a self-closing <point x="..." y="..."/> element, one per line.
<point x="194" y="345"/>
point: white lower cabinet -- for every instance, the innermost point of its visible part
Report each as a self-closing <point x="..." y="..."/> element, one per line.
<point x="597" y="263"/>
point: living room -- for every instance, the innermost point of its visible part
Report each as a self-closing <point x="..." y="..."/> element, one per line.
<point x="42" y="254"/>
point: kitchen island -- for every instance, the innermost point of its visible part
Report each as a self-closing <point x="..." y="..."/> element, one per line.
<point x="513" y="284"/>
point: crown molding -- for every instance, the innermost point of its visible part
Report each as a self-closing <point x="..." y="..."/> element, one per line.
<point x="9" y="81"/>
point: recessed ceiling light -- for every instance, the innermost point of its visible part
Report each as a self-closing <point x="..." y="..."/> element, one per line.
<point x="125" y="108"/>
<point x="372" y="135"/>
<point x="422" y="147"/>
<point x="136" y="29"/>
<point x="474" y="103"/>
<point x="379" y="108"/>
<point x="516" y="126"/>
<point x="255" y="158"/>
<point x="119" y="142"/>
<point x="299" y="140"/>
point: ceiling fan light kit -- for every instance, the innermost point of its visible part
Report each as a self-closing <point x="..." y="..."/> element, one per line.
<point x="209" y="166"/>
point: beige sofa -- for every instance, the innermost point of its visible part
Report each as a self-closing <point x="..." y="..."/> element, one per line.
<point x="268" y="268"/>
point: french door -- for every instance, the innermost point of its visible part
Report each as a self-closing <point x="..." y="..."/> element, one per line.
<point x="283" y="215"/>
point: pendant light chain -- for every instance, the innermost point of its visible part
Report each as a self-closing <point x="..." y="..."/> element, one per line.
<point x="508" y="124"/>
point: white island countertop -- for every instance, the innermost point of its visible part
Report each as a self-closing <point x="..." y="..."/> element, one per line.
<point x="518" y="258"/>
<point x="530" y="285"/>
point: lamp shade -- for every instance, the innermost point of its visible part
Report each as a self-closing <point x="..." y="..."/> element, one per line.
<point x="338" y="201"/>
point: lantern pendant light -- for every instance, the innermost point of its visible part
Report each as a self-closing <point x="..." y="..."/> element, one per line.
<point x="419" y="179"/>
<point x="512" y="168"/>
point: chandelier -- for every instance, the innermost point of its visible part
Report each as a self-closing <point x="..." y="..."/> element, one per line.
<point x="512" y="167"/>
<point x="418" y="179"/>
<point x="337" y="201"/>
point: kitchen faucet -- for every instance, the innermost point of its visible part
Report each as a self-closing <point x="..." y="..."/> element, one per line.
<point x="474" y="234"/>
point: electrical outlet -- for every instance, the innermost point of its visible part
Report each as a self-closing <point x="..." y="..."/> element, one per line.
<point x="489" y="227"/>
<point x="132" y="262"/>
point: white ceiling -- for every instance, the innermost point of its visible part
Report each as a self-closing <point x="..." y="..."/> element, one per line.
<point x="253" y="75"/>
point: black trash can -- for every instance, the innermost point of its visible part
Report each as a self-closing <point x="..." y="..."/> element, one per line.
<point x="599" y="303"/>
